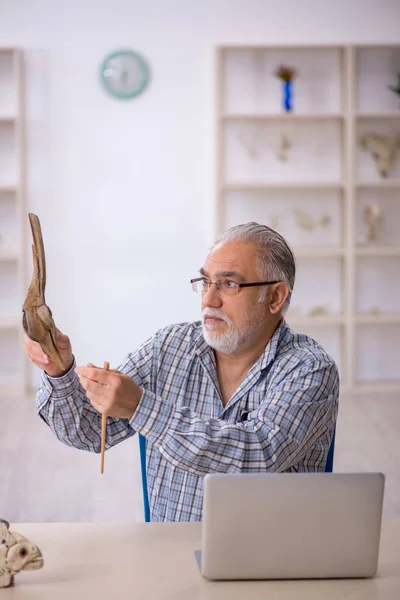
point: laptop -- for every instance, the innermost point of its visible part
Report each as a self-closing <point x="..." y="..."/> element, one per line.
<point x="291" y="525"/>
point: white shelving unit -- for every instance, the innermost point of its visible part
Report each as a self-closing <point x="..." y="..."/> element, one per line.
<point x="340" y="93"/>
<point x="13" y="366"/>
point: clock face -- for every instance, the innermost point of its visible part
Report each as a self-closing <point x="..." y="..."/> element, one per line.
<point x="124" y="74"/>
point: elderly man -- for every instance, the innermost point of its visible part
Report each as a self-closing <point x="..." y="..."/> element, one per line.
<point x="237" y="392"/>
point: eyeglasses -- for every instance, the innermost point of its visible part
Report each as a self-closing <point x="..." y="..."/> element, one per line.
<point x="225" y="286"/>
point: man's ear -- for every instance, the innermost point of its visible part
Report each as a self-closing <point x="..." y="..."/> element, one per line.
<point x="277" y="298"/>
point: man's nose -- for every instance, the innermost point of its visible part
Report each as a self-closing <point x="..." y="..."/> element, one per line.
<point x="212" y="297"/>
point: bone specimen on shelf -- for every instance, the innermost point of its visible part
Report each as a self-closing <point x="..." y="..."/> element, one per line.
<point x="304" y="220"/>
<point x="373" y="215"/>
<point x="283" y="148"/>
<point x="374" y="310"/>
<point x="383" y="150"/>
<point x="325" y="221"/>
<point x="274" y="221"/>
<point x="250" y="137"/>
<point x="319" y="311"/>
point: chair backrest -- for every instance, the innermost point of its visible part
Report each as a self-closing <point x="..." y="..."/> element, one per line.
<point x="142" y="448"/>
<point x="146" y="503"/>
<point x="329" y="458"/>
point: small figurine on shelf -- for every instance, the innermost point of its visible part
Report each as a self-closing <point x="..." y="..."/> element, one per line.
<point x="249" y="138"/>
<point x="382" y="149"/>
<point x="373" y="215"/>
<point x="304" y="220"/>
<point x="325" y="221"/>
<point x="274" y="222"/>
<point x="319" y="311"/>
<point x="287" y="74"/>
<point x="284" y="147"/>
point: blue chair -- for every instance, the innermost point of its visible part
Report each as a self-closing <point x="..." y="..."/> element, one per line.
<point x="146" y="503"/>
<point x="329" y="458"/>
<point x="142" y="448"/>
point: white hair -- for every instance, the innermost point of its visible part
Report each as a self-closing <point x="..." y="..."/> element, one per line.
<point x="276" y="258"/>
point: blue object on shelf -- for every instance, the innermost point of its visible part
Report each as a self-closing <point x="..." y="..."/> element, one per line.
<point x="288" y="95"/>
<point x="142" y="448"/>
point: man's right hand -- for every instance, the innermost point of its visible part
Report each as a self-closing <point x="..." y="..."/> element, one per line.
<point x="36" y="355"/>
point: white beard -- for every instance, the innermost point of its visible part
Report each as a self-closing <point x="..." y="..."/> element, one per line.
<point x="235" y="337"/>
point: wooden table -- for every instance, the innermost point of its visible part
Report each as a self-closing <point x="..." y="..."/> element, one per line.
<point x="156" y="561"/>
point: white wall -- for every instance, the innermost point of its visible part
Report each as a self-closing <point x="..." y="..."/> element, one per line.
<point x="125" y="190"/>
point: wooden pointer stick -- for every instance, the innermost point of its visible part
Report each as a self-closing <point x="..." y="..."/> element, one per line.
<point x="106" y="367"/>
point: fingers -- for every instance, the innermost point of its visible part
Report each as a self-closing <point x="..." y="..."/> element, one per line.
<point x="109" y="370"/>
<point x="63" y="341"/>
<point x="35" y="353"/>
<point x="102" y="387"/>
<point x="95" y="374"/>
<point x="99" y="393"/>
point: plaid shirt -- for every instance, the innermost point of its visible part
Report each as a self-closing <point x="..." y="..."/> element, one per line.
<point x="281" y="417"/>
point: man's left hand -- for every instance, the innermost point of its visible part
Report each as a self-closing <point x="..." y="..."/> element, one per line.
<point x="110" y="392"/>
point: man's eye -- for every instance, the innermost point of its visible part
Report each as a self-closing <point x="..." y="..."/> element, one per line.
<point x="230" y="284"/>
<point x="205" y="282"/>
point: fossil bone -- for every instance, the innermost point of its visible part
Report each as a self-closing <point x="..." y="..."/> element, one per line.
<point x="37" y="319"/>
<point x="382" y="149"/>
<point x="274" y="221"/>
<point x="319" y="311"/>
<point x="325" y="221"/>
<point x="250" y="138"/>
<point x="373" y="215"/>
<point x="283" y="149"/>
<point x="16" y="554"/>
<point x="303" y="219"/>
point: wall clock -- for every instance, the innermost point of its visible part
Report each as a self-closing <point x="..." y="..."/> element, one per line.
<point x="124" y="74"/>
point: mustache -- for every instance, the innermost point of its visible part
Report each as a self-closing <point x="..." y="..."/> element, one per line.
<point x="214" y="312"/>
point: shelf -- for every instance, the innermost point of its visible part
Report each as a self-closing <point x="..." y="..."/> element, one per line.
<point x="7" y="189"/>
<point x="311" y="321"/>
<point x="378" y="319"/>
<point x="318" y="252"/>
<point x="283" y="117"/>
<point x="378" y="251"/>
<point x="379" y="115"/>
<point x="283" y="185"/>
<point x="271" y="162"/>
<point x="8" y="120"/>
<point x="384" y="183"/>
<point x="283" y="47"/>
